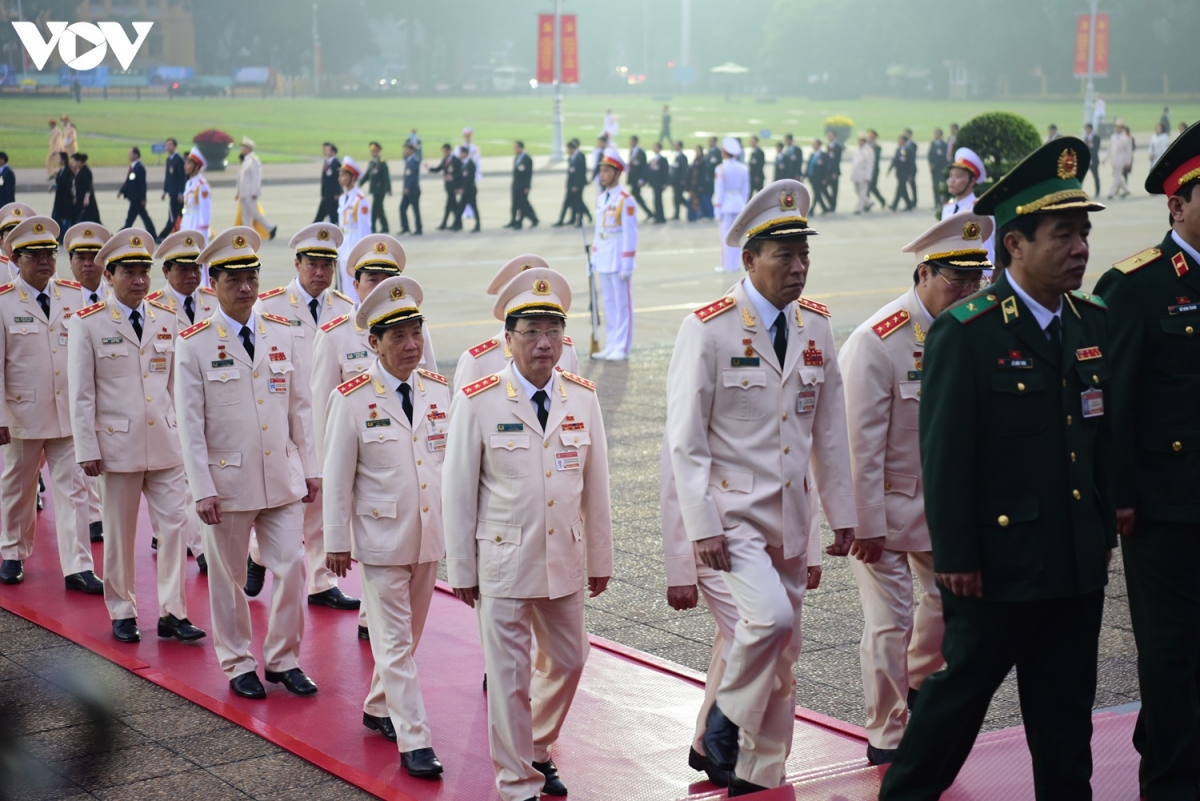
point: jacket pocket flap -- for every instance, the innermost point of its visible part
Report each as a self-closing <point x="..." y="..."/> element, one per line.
<point x="729" y="480"/>
<point x="570" y="438"/>
<point x="1182" y="326"/>
<point x="226" y="375"/>
<point x="281" y="368"/>
<point x="811" y="375"/>
<point x="355" y="367"/>
<point x="1017" y="382"/>
<point x="741" y="377"/>
<point x="509" y="442"/>
<point x="31" y="328"/>
<point x="498" y="532"/>
<point x="112" y="424"/>
<point x="1005" y="512"/>
<point x="897" y="482"/>
<point x="1092" y="373"/>
<point x="225" y="458"/>
<point x="375" y="508"/>
<point x="910" y="390"/>
<point x="164" y="346"/>
<point x="381" y="434"/>
<point x="111" y="351"/>
<point x="20" y="394"/>
<point x="1177" y="441"/>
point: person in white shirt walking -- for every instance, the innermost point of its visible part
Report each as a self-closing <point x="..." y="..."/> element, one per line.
<point x="731" y="190"/>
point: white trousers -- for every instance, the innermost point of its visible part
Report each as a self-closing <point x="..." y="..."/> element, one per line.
<point x="861" y="189"/>
<point x="616" y="295"/>
<point x="731" y="258"/>
<point x="1120" y="184"/>
<point x="251" y="215"/>
<point x="526" y="709"/>
<point x="320" y="577"/>
<point x="899" y="649"/>
<point x="397" y="599"/>
<point x="225" y="545"/>
<point x="18" y="502"/>
<point x="165" y="498"/>
<point x="95" y="513"/>
<point x="758" y="690"/>
<point x="724" y="611"/>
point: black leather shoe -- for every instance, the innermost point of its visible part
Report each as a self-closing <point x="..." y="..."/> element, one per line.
<point x="294" y="681"/>
<point x="382" y="725"/>
<point x="421" y="763"/>
<point x="721" y="740"/>
<point x="247" y="685"/>
<point x="256" y="574"/>
<point x="363" y="633"/>
<point x="742" y="787"/>
<point x="180" y="629"/>
<point x="154" y="543"/>
<point x="912" y="699"/>
<point x="553" y="785"/>
<point x="85" y="582"/>
<point x="126" y="630"/>
<point x="880" y="756"/>
<point x="698" y="762"/>
<point x="96" y="531"/>
<point x="202" y="563"/>
<point x="12" y="571"/>
<point x="334" y="598"/>
<point x="274" y="231"/>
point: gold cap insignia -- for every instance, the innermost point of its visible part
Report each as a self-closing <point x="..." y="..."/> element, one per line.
<point x="541" y="287"/>
<point x="239" y="241"/>
<point x="87" y="232"/>
<point x="187" y="240"/>
<point x="971" y="230"/>
<point x="17" y="212"/>
<point x="381" y="247"/>
<point x="787" y="201"/>
<point x="322" y="234"/>
<point x="38" y="228"/>
<point x="1068" y="164"/>
<point x="397" y="293"/>
<point x="525" y="267"/>
<point x="135" y="241"/>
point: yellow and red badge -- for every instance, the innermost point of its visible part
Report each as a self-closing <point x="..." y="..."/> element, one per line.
<point x="1179" y="262"/>
<point x="1083" y="354"/>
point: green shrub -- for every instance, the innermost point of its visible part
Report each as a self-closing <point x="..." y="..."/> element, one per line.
<point x="1001" y="139"/>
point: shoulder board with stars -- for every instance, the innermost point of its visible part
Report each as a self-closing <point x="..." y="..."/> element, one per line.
<point x="706" y="313"/>
<point x="275" y="318"/>
<point x="6" y="288"/>
<point x="432" y="376"/>
<point x="580" y="380"/>
<point x="354" y="383"/>
<point x="812" y="305"/>
<point x="208" y="290"/>
<point x="195" y="329"/>
<point x="890" y="325"/>
<point x="1086" y="297"/>
<point x="343" y="297"/>
<point x="334" y="323"/>
<point x="155" y="295"/>
<point x="967" y="310"/>
<point x="1138" y="260"/>
<point x="160" y="305"/>
<point x="88" y="310"/>
<point x="483" y="347"/>
<point x="270" y="293"/>
<point x="481" y="385"/>
<point x="68" y="282"/>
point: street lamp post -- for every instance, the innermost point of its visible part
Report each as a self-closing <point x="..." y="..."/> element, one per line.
<point x="556" y="136"/>
<point x="1089" y="97"/>
<point x="316" y="55"/>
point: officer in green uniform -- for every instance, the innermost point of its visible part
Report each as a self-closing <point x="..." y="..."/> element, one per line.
<point x="1016" y="454"/>
<point x="1155" y="341"/>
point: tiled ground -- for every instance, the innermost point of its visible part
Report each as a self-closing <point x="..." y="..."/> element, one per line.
<point x="152" y="744"/>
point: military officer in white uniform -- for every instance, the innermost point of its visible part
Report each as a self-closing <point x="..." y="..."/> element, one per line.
<point x="754" y="394"/>
<point x="964" y="173"/>
<point x="882" y="362"/>
<point x="121" y="350"/>
<point x="614" y="247"/>
<point x="528" y="527"/>
<point x="492" y="355"/>
<point x="197" y="197"/>
<point x="10" y="215"/>
<point x="307" y="302"/>
<point x="245" y="423"/>
<point x="731" y="190"/>
<point x="36" y="419"/>
<point x="354" y="217"/>
<point x="386" y="435"/>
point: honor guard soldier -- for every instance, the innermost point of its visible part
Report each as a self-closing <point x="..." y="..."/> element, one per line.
<point x="964" y="173"/>
<point x="307" y="302"/>
<point x="1015" y="462"/>
<point x="132" y="447"/>
<point x="760" y="354"/>
<point x="37" y="421"/>
<point x="731" y="190"/>
<point x="10" y="215"/>
<point x="493" y="355"/>
<point x="386" y="438"/>
<point x="882" y="363"/>
<point x="354" y="216"/>
<point x="1154" y="297"/>
<point x="528" y="528"/>
<point x="613" y="249"/>
<point x="245" y="422"/>
<point x="197" y="197"/>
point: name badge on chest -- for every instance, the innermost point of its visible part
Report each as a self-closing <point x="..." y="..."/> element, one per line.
<point x="112" y="340"/>
<point x="435" y="442"/>
<point x="567" y="460"/>
<point x="158" y="364"/>
<point x="277" y="385"/>
<point x="806" y="401"/>
<point x="62" y="337"/>
<point x="1093" y="402"/>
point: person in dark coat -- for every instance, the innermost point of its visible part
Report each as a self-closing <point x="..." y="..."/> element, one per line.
<point x="412" y="190"/>
<point x="331" y="190"/>
<point x="911" y="146"/>
<point x="695" y="184"/>
<point x="64" y="195"/>
<point x="174" y="182"/>
<point x="577" y="179"/>
<point x="818" y="168"/>
<point x="522" y="182"/>
<point x="833" y="169"/>
<point x="378" y="180"/>
<point x="134" y="190"/>
<point x="679" y="178"/>
<point x="712" y="159"/>
<point x="901" y="167"/>
<point x="86" y="209"/>
<point x="793" y="160"/>
<point x="451" y="169"/>
<point x="873" y="189"/>
<point x="466" y="190"/>
<point x="658" y="172"/>
<point x="637" y="175"/>
<point x="8" y="181"/>
<point x="939" y="159"/>
<point x="757" y="162"/>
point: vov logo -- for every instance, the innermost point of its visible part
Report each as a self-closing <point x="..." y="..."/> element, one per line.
<point x="102" y="35"/>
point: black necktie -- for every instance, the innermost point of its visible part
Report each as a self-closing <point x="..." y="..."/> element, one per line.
<point x="95" y="298"/>
<point x="405" y="400"/>
<point x="246" y="343"/>
<point x="780" y="342"/>
<point x="543" y="407"/>
<point x="313" y="306"/>
<point x="44" y="301"/>
<point x="135" y="320"/>
<point x="1054" y="331"/>
<point x="189" y="308"/>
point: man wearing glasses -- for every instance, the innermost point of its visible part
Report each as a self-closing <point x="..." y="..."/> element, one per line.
<point x="528" y="526"/>
<point x="881" y="365"/>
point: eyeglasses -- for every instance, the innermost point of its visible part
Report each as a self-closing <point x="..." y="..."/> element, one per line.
<point x="534" y="334"/>
<point x="961" y="284"/>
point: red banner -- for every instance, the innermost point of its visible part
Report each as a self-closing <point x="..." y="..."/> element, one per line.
<point x="1082" y="30"/>
<point x="570" y="50"/>
<point x="545" y="48"/>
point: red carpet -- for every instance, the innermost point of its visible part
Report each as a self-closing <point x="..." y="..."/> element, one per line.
<point x="626" y="738"/>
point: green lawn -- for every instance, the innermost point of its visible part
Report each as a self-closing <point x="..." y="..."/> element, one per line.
<point x="290" y="130"/>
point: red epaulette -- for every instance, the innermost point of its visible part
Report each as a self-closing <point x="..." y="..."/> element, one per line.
<point x="68" y="282"/>
<point x="891" y="325"/>
<point x="354" y="383"/>
<point x="200" y="326"/>
<point x="483" y="347"/>
<point x="6" y="288"/>
<point x="270" y="293"/>
<point x="155" y="295"/>
<point x="481" y="385"/>
<point x="432" y="376"/>
<point x="334" y="323"/>
<point x="812" y="305"/>
<point x="162" y="306"/>
<point x="275" y="318"/>
<point x="86" y="310"/>
<point x="580" y="380"/>
<point x="208" y="290"/>
<point x="706" y="313"/>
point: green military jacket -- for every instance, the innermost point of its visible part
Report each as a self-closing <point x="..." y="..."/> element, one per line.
<point x="1016" y="469"/>
<point x="1155" y="341"/>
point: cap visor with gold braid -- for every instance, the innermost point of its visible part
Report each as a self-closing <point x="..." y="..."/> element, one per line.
<point x="233" y="249"/>
<point x="34" y="233"/>
<point x="1178" y="166"/>
<point x="129" y="247"/>
<point x="778" y="211"/>
<point x="376" y="253"/>
<point x="393" y="301"/>
<point x="955" y="243"/>
<point x="1049" y="179"/>
<point x="537" y="292"/>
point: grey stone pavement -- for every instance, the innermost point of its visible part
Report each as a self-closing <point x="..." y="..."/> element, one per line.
<point x="160" y="746"/>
